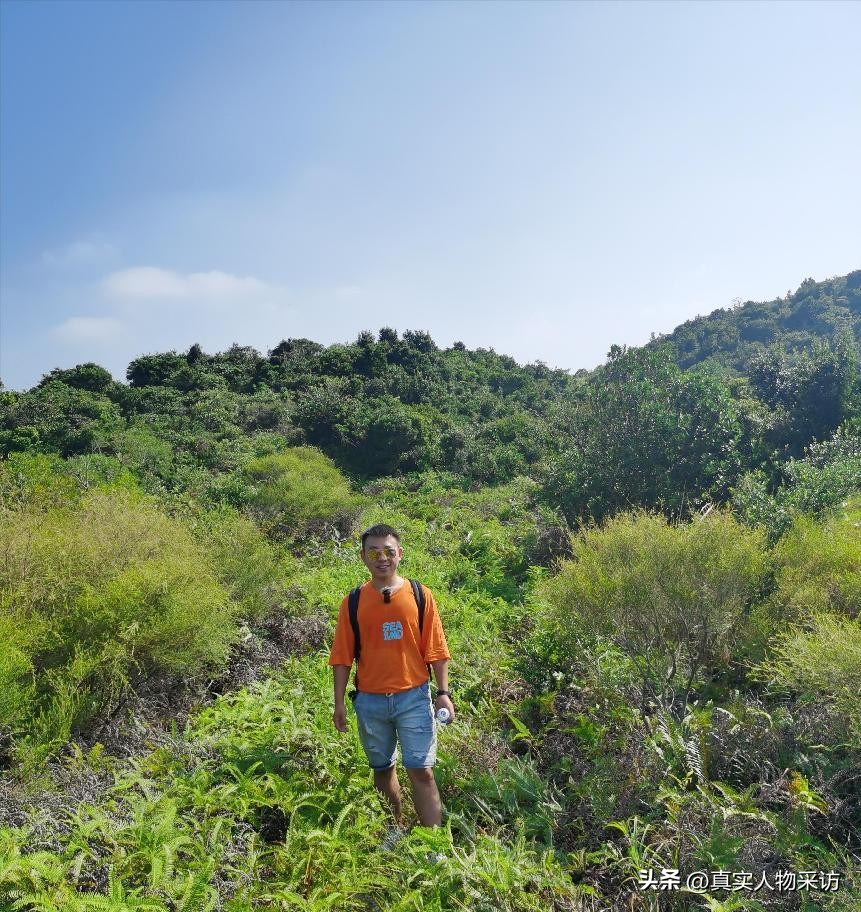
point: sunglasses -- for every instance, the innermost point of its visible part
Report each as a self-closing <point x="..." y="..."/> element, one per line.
<point x="377" y="553"/>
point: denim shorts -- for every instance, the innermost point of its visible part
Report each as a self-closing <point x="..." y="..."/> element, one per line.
<point x="388" y="719"/>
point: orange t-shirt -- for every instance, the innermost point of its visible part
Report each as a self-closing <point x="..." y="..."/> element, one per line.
<point x="393" y="657"/>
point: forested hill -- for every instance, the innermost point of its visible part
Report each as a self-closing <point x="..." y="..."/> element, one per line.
<point x="733" y="337"/>
<point x="639" y="430"/>
<point x="650" y="579"/>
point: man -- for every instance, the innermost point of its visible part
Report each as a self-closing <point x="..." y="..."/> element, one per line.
<point x="392" y="699"/>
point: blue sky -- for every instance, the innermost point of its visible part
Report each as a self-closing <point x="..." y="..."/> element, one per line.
<point x="546" y="179"/>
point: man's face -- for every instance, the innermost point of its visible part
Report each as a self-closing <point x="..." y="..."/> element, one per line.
<point x="382" y="555"/>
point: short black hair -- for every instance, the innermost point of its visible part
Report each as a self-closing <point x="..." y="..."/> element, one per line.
<point x="380" y="530"/>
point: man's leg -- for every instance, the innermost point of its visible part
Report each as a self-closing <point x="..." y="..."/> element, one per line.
<point x="417" y="734"/>
<point x="377" y="734"/>
<point x="387" y="784"/>
<point x="426" y="797"/>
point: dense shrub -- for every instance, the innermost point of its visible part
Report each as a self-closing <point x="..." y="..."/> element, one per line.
<point x="87" y="376"/>
<point x="113" y="586"/>
<point x="17" y="691"/>
<point x="40" y="481"/>
<point x="244" y="561"/>
<point x="819" y="566"/>
<point x="145" y="453"/>
<point x="821" y="662"/>
<point x="808" y="394"/>
<point x="828" y="473"/>
<point x="669" y="596"/>
<point x="34" y="478"/>
<point x="643" y="433"/>
<point x="294" y="493"/>
<point x="57" y="417"/>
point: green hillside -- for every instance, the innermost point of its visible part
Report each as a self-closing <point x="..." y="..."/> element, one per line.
<point x="733" y="337"/>
<point x="649" y="575"/>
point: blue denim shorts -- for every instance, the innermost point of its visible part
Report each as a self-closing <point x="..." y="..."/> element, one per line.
<point x="388" y="719"/>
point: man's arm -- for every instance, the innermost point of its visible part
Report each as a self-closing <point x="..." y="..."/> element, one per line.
<point x="440" y="673"/>
<point x="342" y="675"/>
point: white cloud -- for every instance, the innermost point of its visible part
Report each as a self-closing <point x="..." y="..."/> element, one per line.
<point x="85" y="252"/>
<point x="153" y="282"/>
<point x="88" y="329"/>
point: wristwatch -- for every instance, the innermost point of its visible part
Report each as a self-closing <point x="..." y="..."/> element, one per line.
<point x="444" y="693"/>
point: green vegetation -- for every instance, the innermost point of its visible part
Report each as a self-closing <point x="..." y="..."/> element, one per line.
<point x="650" y="578"/>
<point x="819" y="565"/>
<point x="293" y="494"/>
<point x="642" y="432"/>
<point x="820" y="481"/>
<point x="670" y="598"/>
<point x="822" y="663"/>
<point x="815" y="312"/>
<point x="90" y="592"/>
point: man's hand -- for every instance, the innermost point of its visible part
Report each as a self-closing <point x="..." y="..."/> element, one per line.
<point x="339" y="717"/>
<point x="444" y="701"/>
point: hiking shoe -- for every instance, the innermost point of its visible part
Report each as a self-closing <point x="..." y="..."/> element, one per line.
<point x="394" y="834"/>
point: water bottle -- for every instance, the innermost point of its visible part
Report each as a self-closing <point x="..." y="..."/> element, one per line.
<point x="443" y="715"/>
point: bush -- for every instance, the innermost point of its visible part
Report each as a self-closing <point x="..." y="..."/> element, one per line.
<point x="16" y="669"/>
<point x="829" y="472"/>
<point x="244" y="561"/>
<point x="671" y="597"/>
<point x="34" y="478"/>
<point x="819" y="566"/>
<point x="821" y="662"/>
<point x="112" y="586"/>
<point x="145" y="452"/>
<point x="295" y="493"/>
<point x="40" y="481"/>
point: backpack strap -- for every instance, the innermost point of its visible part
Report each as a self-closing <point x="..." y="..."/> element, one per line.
<point x="419" y="595"/>
<point x="353" y="606"/>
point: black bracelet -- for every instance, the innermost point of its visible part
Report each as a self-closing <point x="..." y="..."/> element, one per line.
<point x="444" y="693"/>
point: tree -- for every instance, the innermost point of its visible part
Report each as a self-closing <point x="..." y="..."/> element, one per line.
<point x="419" y="340"/>
<point x="643" y="433"/>
<point x="809" y="395"/>
<point x="328" y="416"/>
<point x="60" y="418"/>
<point x="87" y="376"/>
<point x="194" y="354"/>
<point x="302" y="350"/>
<point x="154" y="370"/>
<point x="392" y="440"/>
<point x="238" y="367"/>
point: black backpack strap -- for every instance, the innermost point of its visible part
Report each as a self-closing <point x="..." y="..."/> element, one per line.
<point x="419" y="595"/>
<point x="353" y="606"/>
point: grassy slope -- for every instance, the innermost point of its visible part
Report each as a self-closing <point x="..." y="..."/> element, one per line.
<point x="259" y="803"/>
